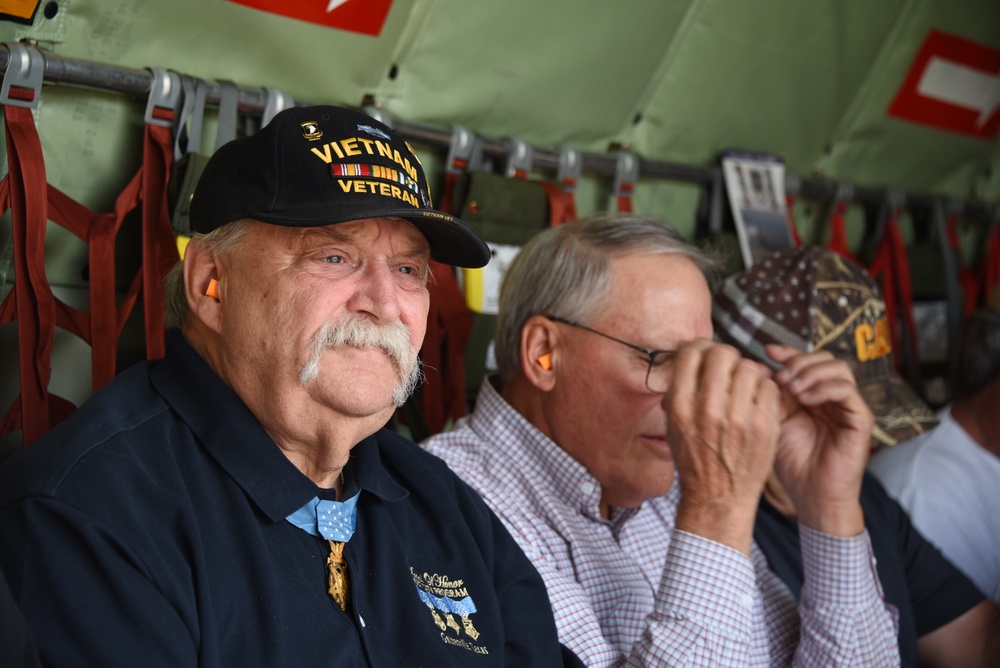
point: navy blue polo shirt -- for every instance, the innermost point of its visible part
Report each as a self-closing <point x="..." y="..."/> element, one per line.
<point x="926" y="588"/>
<point x="149" y="530"/>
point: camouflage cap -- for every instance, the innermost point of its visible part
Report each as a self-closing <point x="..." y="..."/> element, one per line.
<point x="814" y="299"/>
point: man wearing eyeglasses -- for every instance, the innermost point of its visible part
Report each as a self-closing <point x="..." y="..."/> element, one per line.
<point x="626" y="452"/>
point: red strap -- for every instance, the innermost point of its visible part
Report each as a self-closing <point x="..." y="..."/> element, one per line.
<point x="789" y="206"/>
<point x="99" y="328"/>
<point x="968" y="280"/>
<point x="449" y="327"/>
<point x="34" y="304"/>
<point x="838" y="232"/>
<point x="59" y="410"/>
<point x="626" y="175"/>
<point x="451" y="178"/>
<point x="559" y="203"/>
<point x="32" y="203"/>
<point x="891" y="270"/>
<point x="624" y="198"/>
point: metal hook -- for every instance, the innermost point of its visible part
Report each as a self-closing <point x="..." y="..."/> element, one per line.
<point x="520" y="157"/>
<point x="464" y="151"/>
<point x="276" y="102"/>
<point x="570" y="168"/>
<point x="25" y="72"/>
<point x="164" y="96"/>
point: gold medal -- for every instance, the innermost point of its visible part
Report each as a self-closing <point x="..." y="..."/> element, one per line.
<point x="338" y="574"/>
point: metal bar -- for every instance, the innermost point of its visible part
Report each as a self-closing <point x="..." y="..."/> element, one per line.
<point x="137" y="82"/>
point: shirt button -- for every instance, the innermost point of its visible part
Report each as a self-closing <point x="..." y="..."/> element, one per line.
<point x="747" y="600"/>
<point x="587" y="487"/>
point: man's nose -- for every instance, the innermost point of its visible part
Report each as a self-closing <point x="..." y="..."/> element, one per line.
<point x="375" y="293"/>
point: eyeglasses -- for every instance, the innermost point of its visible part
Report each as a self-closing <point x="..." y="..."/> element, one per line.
<point x="658" y="371"/>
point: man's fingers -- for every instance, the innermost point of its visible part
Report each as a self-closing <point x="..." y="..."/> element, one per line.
<point x="682" y="397"/>
<point x="802" y="378"/>
<point x="716" y="393"/>
<point x="740" y="413"/>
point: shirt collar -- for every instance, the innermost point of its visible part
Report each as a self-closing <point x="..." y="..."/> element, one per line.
<point x="236" y="440"/>
<point x="497" y="422"/>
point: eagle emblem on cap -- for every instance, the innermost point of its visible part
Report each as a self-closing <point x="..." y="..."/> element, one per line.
<point x="311" y="131"/>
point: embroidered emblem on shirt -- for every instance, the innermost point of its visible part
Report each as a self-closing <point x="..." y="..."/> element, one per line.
<point x="451" y="609"/>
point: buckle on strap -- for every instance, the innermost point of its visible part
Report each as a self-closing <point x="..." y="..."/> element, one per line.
<point x="164" y="97"/>
<point x="22" y="82"/>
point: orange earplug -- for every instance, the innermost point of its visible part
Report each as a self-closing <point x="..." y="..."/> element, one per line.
<point x="545" y="361"/>
<point x="213" y="289"/>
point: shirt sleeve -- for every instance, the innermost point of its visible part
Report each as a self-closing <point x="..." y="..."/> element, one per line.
<point x="705" y="610"/>
<point x="703" y="614"/>
<point x="845" y="619"/>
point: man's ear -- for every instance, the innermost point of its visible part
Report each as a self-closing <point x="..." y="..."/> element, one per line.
<point x="540" y="352"/>
<point x="204" y="285"/>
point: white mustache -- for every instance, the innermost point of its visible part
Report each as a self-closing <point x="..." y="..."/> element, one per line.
<point x="359" y="332"/>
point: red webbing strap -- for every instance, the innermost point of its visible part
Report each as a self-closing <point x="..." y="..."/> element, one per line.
<point x="34" y="304"/>
<point x="103" y="323"/>
<point x="159" y="250"/>
<point x="789" y="206"/>
<point x="968" y="280"/>
<point x="446" y="202"/>
<point x="559" y="203"/>
<point x="569" y="199"/>
<point x="626" y="176"/>
<point x="520" y="173"/>
<point x="33" y="202"/>
<point x="624" y="198"/>
<point x="82" y="222"/>
<point x="449" y="327"/>
<point x="838" y="232"/>
<point x="891" y="270"/>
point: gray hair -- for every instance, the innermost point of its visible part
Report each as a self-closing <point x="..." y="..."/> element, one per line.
<point x="225" y="239"/>
<point x="563" y="272"/>
<point x="980" y="360"/>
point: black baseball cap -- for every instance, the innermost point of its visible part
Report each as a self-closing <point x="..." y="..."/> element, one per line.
<point x="321" y="165"/>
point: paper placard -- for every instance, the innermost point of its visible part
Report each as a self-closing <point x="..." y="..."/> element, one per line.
<point x="755" y="183"/>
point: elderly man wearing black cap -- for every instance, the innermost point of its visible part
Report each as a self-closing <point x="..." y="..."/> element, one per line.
<point x="238" y="503"/>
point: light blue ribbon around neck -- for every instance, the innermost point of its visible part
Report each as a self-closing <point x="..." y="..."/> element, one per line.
<point x="332" y="520"/>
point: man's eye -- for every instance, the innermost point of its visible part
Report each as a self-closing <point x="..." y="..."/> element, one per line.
<point x="412" y="271"/>
<point x="663" y="357"/>
<point x="334" y="259"/>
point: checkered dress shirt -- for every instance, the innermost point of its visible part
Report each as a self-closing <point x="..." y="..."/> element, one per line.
<point x="633" y="591"/>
